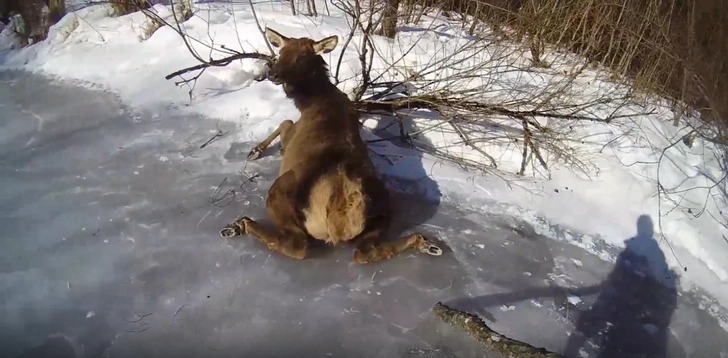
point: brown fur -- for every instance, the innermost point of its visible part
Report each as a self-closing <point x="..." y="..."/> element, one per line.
<point x="327" y="188"/>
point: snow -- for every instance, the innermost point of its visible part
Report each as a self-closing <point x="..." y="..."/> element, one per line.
<point x="589" y="208"/>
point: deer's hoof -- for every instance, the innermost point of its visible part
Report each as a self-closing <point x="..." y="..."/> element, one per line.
<point x="429" y="248"/>
<point x="236" y="228"/>
<point x="230" y="230"/>
<point x="255" y="153"/>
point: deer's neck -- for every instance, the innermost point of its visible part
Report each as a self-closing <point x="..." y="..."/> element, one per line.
<point x="305" y="94"/>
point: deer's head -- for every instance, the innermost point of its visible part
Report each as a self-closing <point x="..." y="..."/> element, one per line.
<point x="299" y="61"/>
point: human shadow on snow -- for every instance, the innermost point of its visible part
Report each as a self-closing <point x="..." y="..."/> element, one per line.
<point x="632" y="313"/>
<point x="633" y="309"/>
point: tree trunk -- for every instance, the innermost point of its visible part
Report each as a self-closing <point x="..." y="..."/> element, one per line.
<point x="389" y="21"/>
<point x="312" y="8"/>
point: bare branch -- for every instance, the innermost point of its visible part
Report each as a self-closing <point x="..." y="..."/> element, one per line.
<point x="223" y="62"/>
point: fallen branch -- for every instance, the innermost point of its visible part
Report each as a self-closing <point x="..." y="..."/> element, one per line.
<point x="217" y="135"/>
<point x="141" y="317"/>
<point x="492" y="340"/>
<point x="433" y="102"/>
<point x="224" y="62"/>
<point x="178" y="310"/>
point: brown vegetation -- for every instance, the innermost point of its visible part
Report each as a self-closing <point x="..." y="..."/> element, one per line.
<point x="37" y="16"/>
<point x="328" y="188"/>
<point x="124" y="7"/>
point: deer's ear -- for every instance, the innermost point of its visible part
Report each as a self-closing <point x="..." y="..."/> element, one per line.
<point x="276" y="39"/>
<point x="326" y="45"/>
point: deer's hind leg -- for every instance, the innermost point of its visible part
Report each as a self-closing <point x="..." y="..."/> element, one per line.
<point x="290" y="243"/>
<point x="285" y="130"/>
<point x="371" y="249"/>
<point x="286" y="237"/>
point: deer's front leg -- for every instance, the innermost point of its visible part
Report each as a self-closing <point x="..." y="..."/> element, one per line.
<point x="371" y="249"/>
<point x="283" y="130"/>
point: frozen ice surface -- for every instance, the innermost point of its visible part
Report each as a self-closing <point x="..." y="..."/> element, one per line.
<point x="97" y="260"/>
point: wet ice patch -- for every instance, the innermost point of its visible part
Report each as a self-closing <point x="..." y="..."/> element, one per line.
<point x="574" y="300"/>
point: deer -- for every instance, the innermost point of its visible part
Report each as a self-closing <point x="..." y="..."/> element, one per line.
<point x="327" y="186"/>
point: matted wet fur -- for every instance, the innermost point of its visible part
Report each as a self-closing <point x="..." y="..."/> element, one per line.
<point x="327" y="187"/>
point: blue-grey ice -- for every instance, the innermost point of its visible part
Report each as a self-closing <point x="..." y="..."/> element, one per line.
<point x="109" y="221"/>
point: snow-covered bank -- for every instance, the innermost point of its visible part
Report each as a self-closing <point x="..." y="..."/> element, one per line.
<point x="89" y="45"/>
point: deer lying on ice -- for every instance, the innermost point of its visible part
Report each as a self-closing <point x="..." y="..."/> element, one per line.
<point x="327" y="188"/>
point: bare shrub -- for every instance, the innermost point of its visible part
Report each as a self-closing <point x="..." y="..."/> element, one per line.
<point x="470" y="89"/>
<point x="671" y="48"/>
<point x="648" y="49"/>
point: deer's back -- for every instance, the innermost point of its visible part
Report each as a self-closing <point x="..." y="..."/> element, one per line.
<point x="326" y="130"/>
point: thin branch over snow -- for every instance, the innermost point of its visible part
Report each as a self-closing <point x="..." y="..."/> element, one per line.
<point x="223" y="62"/>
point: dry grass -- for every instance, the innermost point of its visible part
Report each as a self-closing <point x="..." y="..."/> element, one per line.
<point x="183" y="10"/>
<point x="149" y="27"/>
<point x="125" y="7"/>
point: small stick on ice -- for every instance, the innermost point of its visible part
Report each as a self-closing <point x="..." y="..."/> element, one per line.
<point x="178" y="310"/>
<point x="141" y="317"/>
<point x="216" y="136"/>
